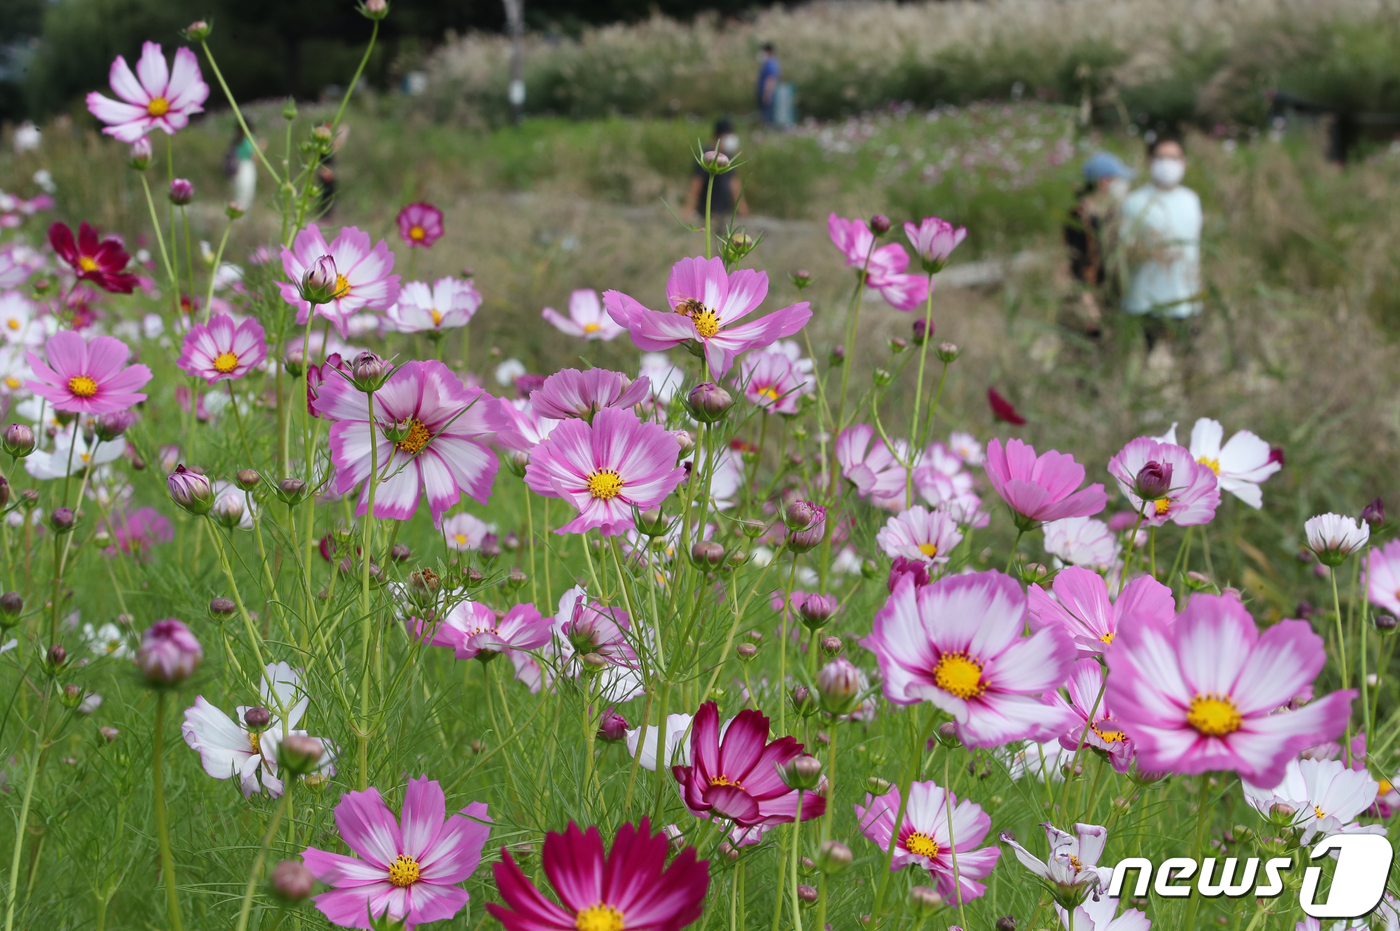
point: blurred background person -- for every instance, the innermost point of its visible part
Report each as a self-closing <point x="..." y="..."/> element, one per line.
<point x="1090" y="233"/>
<point x="769" y="71"/>
<point x="241" y="168"/>
<point x="1161" y="234"/>
<point x="727" y="196"/>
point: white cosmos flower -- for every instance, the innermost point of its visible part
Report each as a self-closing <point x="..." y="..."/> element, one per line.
<point x="1037" y="760"/>
<point x="1082" y="541"/>
<point x="677" y="742"/>
<point x="17" y="326"/>
<point x="72" y="452"/>
<point x="1325" y="795"/>
<point x="1334" y="537"/>
<point x="928" y="536"/>
<point x="107" y="640"/>
<point x="465" y="531"/>
<point x="965" y="446"/>
<point x="1240" y="465"/>
<point x="1072" y="869"/>
<point x="508" y="371"/>
<point x="228" y="748"/>
<point x="666" y="378"/>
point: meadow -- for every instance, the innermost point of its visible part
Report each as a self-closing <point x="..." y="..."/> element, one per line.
<point x="740" y="594"/>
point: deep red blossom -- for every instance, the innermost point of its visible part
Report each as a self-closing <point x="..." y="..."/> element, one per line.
<point x="100" y="261"/>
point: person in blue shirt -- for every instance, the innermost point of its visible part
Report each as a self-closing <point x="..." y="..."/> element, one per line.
<point x="768" y="74"/>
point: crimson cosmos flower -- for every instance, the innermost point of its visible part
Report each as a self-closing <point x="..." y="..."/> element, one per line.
<point x="98" y="261"/>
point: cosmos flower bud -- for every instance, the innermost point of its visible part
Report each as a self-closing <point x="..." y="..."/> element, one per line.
<point x="925" y="900"/>
<point x="736" y="248"/>
<point x="1385" y="623"/>
<point x="169" y="653"/>
<point x="922" y="331"/>
<point x="708" y="402"/>
<point x="320" y="281"/>
<point x="1153" y="481"/>
<point x="801" y="772"/>
<point x="291" y="491"/>
<point x="198" y="31"/>
<point x="879" y="224"/>
<point x="806" y="894"/>
<point x="511" y="542"/>
<point x="1033" y="573"/>
<point x="834" y="858"/>
<point x="715" y="162"/>
<point x="112" y="425"/>
<point x="56" y="655"/>
<point x="651" y="522"/>
<point x="800" y="515"/>
<point x="832" y="646"/>
<point x="19" y="440"/>
<point x="802" y="540"/>
<point x="227" y="511"/>
<point x="753" y="529"/>
<point x="1374" y="513"/>
<point x="11" y="606"/>
<point x="746" y="651"/>
<point x="62" y="520"/>
<point x="247" y="479"/>
<point x="838" y="684"/>
<point x="257" y="718"/>
<point x="472" y="577"/>
<point x="423" y="587"/>
<point x="141" y="156"/>
<point x="816" y="610"/>
<point x="837" y="356"/>
<point x="299" y="754"/>
<point x="802" y="701"/>
<point x="222" y="608"/>
<point x="368" y="372"/>
<point x="294" y="362"/>
<point x="291" y="882"/>
<point x="898" y="344"/>
<point x="801" y="278"/>
<point x="613" y="727"/>
<point x="707" y="555"/>
<point x="881" y="377"/>
<point x="71" y="696"/>
<point x="948" y="352"/>
<point x="181" y="191"/>
<point x="190" y="490"/>
<point x="321" y="134"/>
<point x="593" y="662"/>
<point x="109" y="734"/>
<point x="399" y="552"/>
<point x="1006" y="923"/>
<point x="726" y="849"/>
<point x="233" y="210"/>
<point x="947" y="735"/>
<point x="515" y="580"/>
<point x="375" y="9"/>
<point x="877" y="786"/>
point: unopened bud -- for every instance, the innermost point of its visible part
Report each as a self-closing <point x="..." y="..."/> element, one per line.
<point x="368" y="372"/>
<point x="746" y="651"/>
<point x="1385" y="623"/>
<point x="948" y="352"/>
<point x="834" y="858"/>
<point x="198" y="31"/>
<point x="320" y="282"/>
<point x="651" y="522"/>
<point x="291" y="882"/>
<point x="947" y="734"/>
<point x="291" y="491"/>
<point x="879" y="224"/>
<point x="62" y="520"/>
<point x="801" y="772"/>
<point x="140" y="156"/>
<point x="11" y="606"/>
<point x="613" y="727"/>
<point x="925" y="900"/>
<point x="707" y="554"/>
<point x="399" y="552"/>
<point x="881" y="377"/>
<point x="709" y="402"/>
<point x="832" y="646"/>
<point x="247" y="479"/>
<point x="299" y="754"/>
<point x="806" y="894"/>
<point x="802" y="701"/>
<point x="190" y="490"/>
<point x="816" y="610"/>
<point x="71" y="696"/>
<point x="57" y="655"/>
<point x="898" y="344"/>
<point x="222" y="607"/>
<point x="1005" y="923"/>
<point x="801" y="278"/>
<point x="181" y="191"/>
<point x="257" y="718"/>
<point x="1153" y="481"/>
<point x="19" y="440"/>
<point x="877" y="786"/>
<point x="109" y="734"/>
<point x="837" y="356"/>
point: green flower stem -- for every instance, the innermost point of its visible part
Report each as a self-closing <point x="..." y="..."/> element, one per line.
<point x="911" y="768"/>
<point x="228" y="95"/>
<point x="256" y="872"/>
<point x="167" y="861"/>
<point x="254" y="637"/>
<point x="160" y="242"/>
<point x="366" y="620"/>
<point x="918" y="397"/>
<point x="213" y="273"/>
<point x="796" y="857"/>
<point x="1198" y="845"/>
<point x="952" y="841"/>
<point x="1341" y="655"/>
<point x="40" y="748"/>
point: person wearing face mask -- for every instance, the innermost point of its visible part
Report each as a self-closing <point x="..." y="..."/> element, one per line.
<point x="1161" y="233"/>
<point x="726" y="196"/>
<point x="1089" y="232"/>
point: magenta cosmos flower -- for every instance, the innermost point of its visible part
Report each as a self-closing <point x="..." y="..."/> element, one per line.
<point x="586" y="318"/>
<point x="772" y="381"/>
<point x="135" y="534"/>
<point x="957" y="643"/>
<point x="1204" y="693"/>
<point x="923" y="839"/>
<point x="87" y="378"/>
<point x="921" y="534"/>
<point x="883" y="266"/>
<point x="99" y="261"/>
<point x="155" y="97"/>
<point x="473" y="630"/>
<point x="736" y="776"/>
<point x="420" y="224"/>
<point x="707" y="305"/>
<point x="439" y="429"/>
<point x="363" y="280"/>
<point x="1162" y="482"/>
<point x="1040" y="488"/>
<point x="934" y="240"/>
<point x="1383" y="577"/>
<point x="571" y="393"/>
<point x="1094" y="719"/>
<point x="518" y="427"/>
<point x="1081" y="607"/>
<point x="448" y="304"/>
<point x="221" y="350"/>
<point x="406" y="872"/>
<point x="868" y="463"/>
<point x="605" y="469"/>
<point x="630" y="887"/>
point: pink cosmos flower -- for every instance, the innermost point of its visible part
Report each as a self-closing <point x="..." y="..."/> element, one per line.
<point x="934" y="240"/>
<point x="736" y="776"/>
<point x="631" y="886"/>
<point x="884" y="266"/>
<point x="407" y="872"/>
<point x="582" y="626"/>
<point x="99" y="261"/>
<point x="134" y="534"/>
<point x="923" y="839"/>
<point x="1191" y="494"/>
<point x="221" y="350"/>
<point x="1040" y="488"/>
<point x="420" y="224"/>
<point x="1325" y="795"/>
<point x="707" y="306"/>
<point x="1082" y="541"/>
<point x="87" y="378"/>
<point x="957" y="643"/>
<point x="919" y="534"/>
<point x="474" y="631"/>
<point x="448" y="304"/>
<point x="606" y="468"/>
<point x="586" y="318"/>
<point x="441" y="426"/>
<point x="1201" y="694"/>
<point x="155" y="97"/>
<point x="228" y="747"/>
<point x="362" y="279"/>
<point x="465" y="531"/>
<point x="869" y="464"/>
<point x="1081" y="608"/>
<point x="1087" y="703"/>
<point x="570" y="393"/>
<point x="773" y="382"/>
<point x="518" y="427"/>
<point x="1383" y="577"/>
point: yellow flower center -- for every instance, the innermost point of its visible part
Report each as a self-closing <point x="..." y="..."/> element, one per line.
<point x="605" y="484"/>
<point x="599" y="917"/>
<point x="769" y="392"/>
<point x="1109" y="735"/>
<point x="706" y="323"/>
<point x="1385" y="787"/>
<point x="418" y="437"/>
<point x="255" y="739"/>
<point x="1107" y="638"/>
<point x="1213" y="463"/>
<point x="725" y="781"/>
<point x="921" y="845"/>
<point x="12" y="382"/>
<point x="437" y="316"/>
<point x="928" y="549"/>
<point x="82" y="386"/>
<point x="403" y="871"/>
<point x="592" y="327"/>
<point x="417" y="233"/>
<point x="1161" y="505"/>
<point x="1214" y="715"/>
<point x="225" y="362"/>
<point x="158" y="106"/>
<point x="12" y="323"/>
<point x="1317" y="810"/>
<point x="461" y="538"/>
<point x="342" y="287"/>
<point x="87" y="263"/>
<point x="959" y="675"/>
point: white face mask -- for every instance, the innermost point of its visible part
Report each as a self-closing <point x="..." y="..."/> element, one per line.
<point x="1118" y="188"/>
<point x="1167" y="172"/>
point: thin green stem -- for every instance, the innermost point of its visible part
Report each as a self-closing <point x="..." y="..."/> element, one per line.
<point x="256" y="872"/>
<point x="167" y="860"/>
<point x="366" y="620"/>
